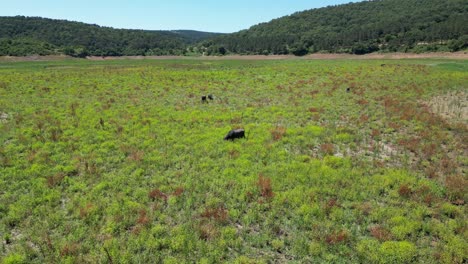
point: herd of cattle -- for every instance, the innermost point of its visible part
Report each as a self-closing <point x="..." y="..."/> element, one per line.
<point x="205" y="97"/>
<point x="236" y="133"/>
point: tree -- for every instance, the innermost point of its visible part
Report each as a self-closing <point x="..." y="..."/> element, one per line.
<point x="298" y="49"/>
<point x="222" y="50"/>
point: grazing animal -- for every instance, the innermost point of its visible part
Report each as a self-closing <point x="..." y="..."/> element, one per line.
<point x="203" y="99"/>
<point x="235" y="133"/>
<point x="210" y="96"/>
<point x="348" y="90"/>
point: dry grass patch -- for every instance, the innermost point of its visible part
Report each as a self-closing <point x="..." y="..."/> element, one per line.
<point x="452" y="106"/>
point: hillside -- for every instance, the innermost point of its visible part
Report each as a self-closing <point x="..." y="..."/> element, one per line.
<point x="21" y="36"/>
<point x="193" y="36"/>
<point x="381" y="25"/>
<point x="358" y="28"/>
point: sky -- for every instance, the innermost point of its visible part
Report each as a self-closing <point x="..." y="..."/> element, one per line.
<point x="207" y="15"/>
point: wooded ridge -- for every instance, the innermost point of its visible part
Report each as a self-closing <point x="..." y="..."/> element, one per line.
<point x="357" y="28"/>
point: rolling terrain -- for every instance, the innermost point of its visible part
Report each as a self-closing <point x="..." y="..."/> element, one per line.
<point x="22" y="36"/>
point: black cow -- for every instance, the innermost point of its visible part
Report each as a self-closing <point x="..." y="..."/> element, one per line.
<point x="210" y="96"/>
<point x="203" y="99"/>
<point x="235" y="133"/>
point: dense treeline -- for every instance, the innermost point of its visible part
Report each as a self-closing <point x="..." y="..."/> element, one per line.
<point x="359" y="28"/>
<point x="379" y="25"/>
<point x="21" y="36"/>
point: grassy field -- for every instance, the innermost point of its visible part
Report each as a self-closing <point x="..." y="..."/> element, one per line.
<point x="120" y="162"/>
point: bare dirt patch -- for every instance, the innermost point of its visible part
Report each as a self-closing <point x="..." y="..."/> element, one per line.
<point x="395" y="56"/>
<point x="3" y="117"/>
<point x="381" y="56"/>
<point x="392" y="56"/>
<point x="229" y="57"/>
<point x="34" y="58"/>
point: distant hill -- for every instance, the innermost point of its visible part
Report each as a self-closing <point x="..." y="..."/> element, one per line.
<point x="20" y="36"/>
<point x="194" y="36"/>
<point x="358" y="28"/>
<point x="364" y="27"/>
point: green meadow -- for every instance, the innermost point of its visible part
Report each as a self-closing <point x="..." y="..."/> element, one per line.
<point x="120" y="162"/>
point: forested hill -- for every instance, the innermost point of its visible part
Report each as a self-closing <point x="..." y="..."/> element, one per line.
<point x="21" y="36"/>
<point x="193" y="36"/>
<point x="359" y="28"/>
<point x="386" y="25"/>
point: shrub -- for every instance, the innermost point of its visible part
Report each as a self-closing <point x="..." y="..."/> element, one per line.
<point x="454" y="251"/>
<point x="363" y="48"/>
<point x="336" y="162"/>
<point x="337" y="237"/>
<point x="450" y="210"/>
<point x="277" y="244"/>
<point x="218" y="214"/>
<point x="142" y="218"/>
<point x="364" y="118"/>
<point x="157" y="194"/>
<point x="381" y="233"/>
<point x="55" y="179"/>
<point x="264" y="185"/>
<point x="397" y="252"/>
<point x="404" y="191"/>
<point x="456" y="187"/>
<point x="278" y="133"/>
<point x="368" y="249"/>
<point x="344" y="138"/>
<point x="247" y="260"/>
<point x="316" y="248"/>
<point x="178" y="191"/>
<point x="327" y="148"/>
<point x="69" y="249"/>
<point x="207" y="231"/>
<point x="403" y="227"/>
<point x="14" y="259"/>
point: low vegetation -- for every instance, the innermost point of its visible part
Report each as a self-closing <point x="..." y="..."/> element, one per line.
<point x="120" y="161"/>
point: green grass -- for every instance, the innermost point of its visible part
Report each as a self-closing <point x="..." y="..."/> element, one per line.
<point x="119" y="161"/>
